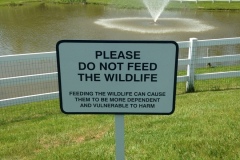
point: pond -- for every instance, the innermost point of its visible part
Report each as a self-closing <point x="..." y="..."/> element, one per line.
<point x="38" y="27"/>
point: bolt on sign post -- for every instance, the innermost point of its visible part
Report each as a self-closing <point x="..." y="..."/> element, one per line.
<point x="117" y="77"/>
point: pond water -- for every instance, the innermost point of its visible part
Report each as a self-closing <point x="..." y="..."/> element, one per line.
<point x="38" y="27"/>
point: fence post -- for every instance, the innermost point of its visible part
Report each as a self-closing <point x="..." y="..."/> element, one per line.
<point x="191" y="65"/>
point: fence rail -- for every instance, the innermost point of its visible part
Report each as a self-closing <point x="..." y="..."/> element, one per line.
<point x="189" y="78"/>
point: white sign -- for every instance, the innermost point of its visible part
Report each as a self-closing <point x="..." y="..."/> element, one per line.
<point x="117" y="77"/>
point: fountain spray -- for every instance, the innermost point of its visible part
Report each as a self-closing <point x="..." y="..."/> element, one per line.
<point x="155" y="7"/>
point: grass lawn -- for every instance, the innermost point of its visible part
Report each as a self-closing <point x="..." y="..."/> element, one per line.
<point x="205" y="125"/>
<point x="137" y="4"/>
<point x="205" y="5"/>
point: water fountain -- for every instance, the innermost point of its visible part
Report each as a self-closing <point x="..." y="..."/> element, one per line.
<point x="151" y="25"/>
<point x="155" y="7"/>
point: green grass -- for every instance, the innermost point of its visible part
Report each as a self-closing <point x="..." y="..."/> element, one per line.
<point x="205" y="5"/>
<point x="136" y="4"/>
<point x="205" y="125"/>
<point x="211" y="84"/>
<point x="212" y="69"/>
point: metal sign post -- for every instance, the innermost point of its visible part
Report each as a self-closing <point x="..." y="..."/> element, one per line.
<point x="119" y="136"/>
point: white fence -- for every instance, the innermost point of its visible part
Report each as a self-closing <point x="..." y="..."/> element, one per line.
<point x="192" y="45"/>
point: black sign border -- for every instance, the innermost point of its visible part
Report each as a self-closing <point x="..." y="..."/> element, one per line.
<point x="116" y="41"/>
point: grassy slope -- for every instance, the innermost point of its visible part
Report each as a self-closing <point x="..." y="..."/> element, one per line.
<point x="205" y="5"/>
<point x="205" y="125"/>
<point x="136" y="4"/>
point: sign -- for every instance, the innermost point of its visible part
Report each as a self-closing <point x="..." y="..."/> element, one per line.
<point x="117" y="77"/>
